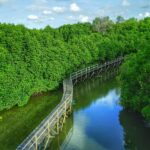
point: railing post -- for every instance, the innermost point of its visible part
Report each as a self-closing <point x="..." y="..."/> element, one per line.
<point x="57" y="125"/>
<point x="36" y="142"/>
<point x="86" y="72"/>
<point x="48" y="127"/>
<point x="81" y="74"/>
<point x="65" y="108"/>
<point x="35" y="138"/>
<point x="76" y="78"/>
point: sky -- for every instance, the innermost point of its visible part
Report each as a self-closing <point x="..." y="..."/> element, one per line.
<point x="40" y="13"/>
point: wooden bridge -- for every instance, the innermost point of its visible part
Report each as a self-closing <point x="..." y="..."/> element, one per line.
<point x="52" y="125"/>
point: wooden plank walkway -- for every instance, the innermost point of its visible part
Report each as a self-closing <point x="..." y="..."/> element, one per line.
<point x="41" y="136"/>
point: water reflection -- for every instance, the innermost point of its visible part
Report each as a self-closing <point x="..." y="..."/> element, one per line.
<point x="95" y="118"/>
<point x="100" y="123"/>
<point x="97" y="126"/>
<point x="64" y="138"/>
<point x="110" y="100"/>
<point x="136" y="131"/>
<point x="18" y="122"/>
<point x="88" y="92"/>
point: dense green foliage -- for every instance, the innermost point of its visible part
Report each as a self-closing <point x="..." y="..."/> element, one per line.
<point x="135" y="77"/>
<point x="33" y="61"/>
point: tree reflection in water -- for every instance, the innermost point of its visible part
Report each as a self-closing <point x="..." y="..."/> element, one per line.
<point x="136" y="131"/>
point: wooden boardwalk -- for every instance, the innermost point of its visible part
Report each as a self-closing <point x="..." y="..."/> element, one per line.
<point x="52" y="125"/>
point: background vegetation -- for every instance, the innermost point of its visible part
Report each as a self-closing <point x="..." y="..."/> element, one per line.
<point x="33" y="61"/>
<point x="135" y="77"/>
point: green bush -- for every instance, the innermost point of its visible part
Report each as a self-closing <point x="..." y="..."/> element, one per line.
<point x="135" y="82"/>
<point x="146" y="112"/>
<point x="33" y="61"/>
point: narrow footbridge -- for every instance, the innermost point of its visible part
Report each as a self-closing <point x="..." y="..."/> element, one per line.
<point x="52" y="125"/>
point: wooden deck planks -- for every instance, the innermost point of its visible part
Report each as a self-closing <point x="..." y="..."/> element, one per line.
<point x="51" y="125"/>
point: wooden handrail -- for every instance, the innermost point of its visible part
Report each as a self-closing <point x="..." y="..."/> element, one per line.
<point x="31" y="142"/>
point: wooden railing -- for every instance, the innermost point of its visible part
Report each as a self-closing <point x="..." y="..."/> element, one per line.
<point x="53" y="123"/>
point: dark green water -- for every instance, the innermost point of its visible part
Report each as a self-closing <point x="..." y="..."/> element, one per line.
<point x="98" y="122"/>
<point x="17" y="123"/>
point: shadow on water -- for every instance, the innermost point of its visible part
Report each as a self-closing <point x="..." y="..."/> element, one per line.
<point x="136" y="132"/>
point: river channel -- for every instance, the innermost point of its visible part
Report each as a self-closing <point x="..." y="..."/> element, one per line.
<point x="98" y="121"/>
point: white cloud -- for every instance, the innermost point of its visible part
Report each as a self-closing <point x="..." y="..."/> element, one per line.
<point x="47" y="12"/>
<point x="33" y="17"/>
<point x="125" y="3"/>
<point x="59" y="9"/>
<point x="74" y="7"/>
<point x="140" y="15"/>
<point x="83" y="18"/>
<point x="146" y="14"/>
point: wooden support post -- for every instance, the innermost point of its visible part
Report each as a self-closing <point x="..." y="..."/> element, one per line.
<point x="81" y="75"/>
<point x="57" y="125"/>
<point x="76" y="78"/>
<point x="86" y="73"/>
<point x="47" y="138"/>
<point x="54" y="133"/>
<point x="64" y="117"/>
<point x="48" y="127"/>
<point x="69" y="108"/>
<point x="105" y="66"/>
<point x="100" y="70"/>
<point x="36" y="142"/>
<point x="46" y="143"/>
<point x="65" y="111"/>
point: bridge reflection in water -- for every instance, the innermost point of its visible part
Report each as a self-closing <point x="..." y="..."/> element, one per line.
<point x="51" y="126"/>
<point x="63" y="139"/>
<point x="99" y="122"/>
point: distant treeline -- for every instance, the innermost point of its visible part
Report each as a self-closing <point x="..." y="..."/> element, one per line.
<point x="36" y="60"/>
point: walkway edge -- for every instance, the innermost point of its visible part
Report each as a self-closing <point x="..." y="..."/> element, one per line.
<point x="53" y="123"/>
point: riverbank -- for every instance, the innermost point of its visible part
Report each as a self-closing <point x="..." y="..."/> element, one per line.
<point x="18" y="122"/>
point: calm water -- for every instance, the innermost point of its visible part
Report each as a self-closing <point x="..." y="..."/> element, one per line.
<point x="98" y="122"/>
<point x="17" y="123"/>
